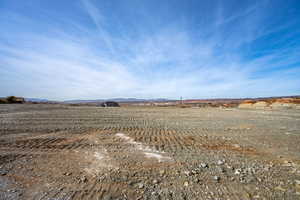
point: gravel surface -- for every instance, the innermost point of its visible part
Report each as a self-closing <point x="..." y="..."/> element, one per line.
<point x="86" y="152"/>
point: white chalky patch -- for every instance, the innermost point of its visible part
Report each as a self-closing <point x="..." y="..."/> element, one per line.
<point x="99" y="160"/>
<point x="98" y="155"/>
<point x="159" y="157"/>
<point x="149" y="153"/>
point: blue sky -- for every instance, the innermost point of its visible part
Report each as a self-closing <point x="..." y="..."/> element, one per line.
<point x="89" y="49"/>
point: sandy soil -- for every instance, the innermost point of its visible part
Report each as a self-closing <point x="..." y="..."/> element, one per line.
<point x="78" y="152"/>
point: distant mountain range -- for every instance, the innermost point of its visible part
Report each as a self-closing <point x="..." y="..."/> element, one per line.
<point x="115" y="99"/>
<point x="37" y="100"/>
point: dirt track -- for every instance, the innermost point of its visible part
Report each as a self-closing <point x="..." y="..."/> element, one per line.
<point x="68" y="152"/>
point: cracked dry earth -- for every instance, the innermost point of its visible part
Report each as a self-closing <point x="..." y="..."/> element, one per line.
<point x="65" y="152"/>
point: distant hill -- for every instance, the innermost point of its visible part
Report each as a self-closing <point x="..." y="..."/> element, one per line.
<point x="37" y="100"/>
<point x="116" y="99"/>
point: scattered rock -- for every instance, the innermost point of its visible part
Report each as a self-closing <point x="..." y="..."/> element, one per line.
<point x="186" y="184"/>
<point x="238" y="171"/>
<point x="162" y="172"/>
<point x="220" y="162"/>
<point x="140" y="185"/>
<point x="230" y="167"/>
<point x="3" y="172"/>
<point x="217" y="178"/>
<point x="83" y="179"/>
<point x="203" y="165"/>
<point x="266" y="168"/>
<point x="287" y="163"/>
<point x="187" y="173"/>
<point x="131" y="183"/>
<point x="221" y="169"/>
<point x="67" y="173"/>
<point x="196" y="180"/>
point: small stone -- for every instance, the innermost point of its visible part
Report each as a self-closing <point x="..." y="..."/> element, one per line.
<point x="196" y="180"/>
<point x="3" y="172"/>
<point x="237" y="171"/>
<point x="230" y="167"/>
<point x="140" y="185"/>
<point x="131" y="183"/>
<point x="187" y="173"/>
<point x="203" y="165"/>
<point x="216" y="178"/>
<point x="186" y="184"/>
<point x="259" y="179"/>
<point x="155" y="181"/>
<point x="220" y="162"/>
<point x="266" y="168"/>
<point x="221" y="169"/>
<point x="162" y="172"/>
<point x="297" y="182"/>
<point x="83" y="179"/>
<point x="287" y="163"/>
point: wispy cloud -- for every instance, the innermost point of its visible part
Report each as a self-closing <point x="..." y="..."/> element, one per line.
<point x="91" y="61"/>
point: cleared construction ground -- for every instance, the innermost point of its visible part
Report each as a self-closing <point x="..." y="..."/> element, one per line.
<point x="87" y="152"/>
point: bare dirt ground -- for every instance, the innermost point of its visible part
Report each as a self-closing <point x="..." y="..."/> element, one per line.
<point x="67" y="152"/>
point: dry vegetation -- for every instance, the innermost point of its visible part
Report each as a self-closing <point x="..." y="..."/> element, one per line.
<point x="89" y="152"/>
<point x="12" y="99"/>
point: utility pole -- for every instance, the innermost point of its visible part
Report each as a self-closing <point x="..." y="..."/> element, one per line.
<point x="181" y="101"/>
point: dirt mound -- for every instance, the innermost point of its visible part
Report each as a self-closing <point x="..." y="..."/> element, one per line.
<point x="254" y="104"/>
<point x="285" y="103"/>
<point x="280" y="103"/>
<point x="288" y="100"/>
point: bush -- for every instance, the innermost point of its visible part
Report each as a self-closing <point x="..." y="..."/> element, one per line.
<point x="12" y="99"/>
<point x="3" y="100"/>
